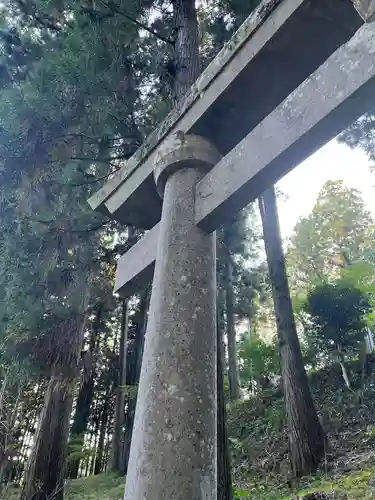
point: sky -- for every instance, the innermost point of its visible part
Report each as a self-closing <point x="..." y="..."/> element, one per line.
<point x="333" y="161"/>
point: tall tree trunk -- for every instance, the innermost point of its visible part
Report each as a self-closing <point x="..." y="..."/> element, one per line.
<point x="344" y="371"/>
<point x="133" y="378"/>
<point x="141" y="332"/>
<point x="117" y="462"/>
<point x="234" y="383"/>
<point x="220" y="306"/>
<point x="46" y="467"/>
<point x="186" y="56"/>
<point x="29" y="426"/>
<point x="85" y="395"/>
<point x="95" y="447"/>
<point x="306" y="437"/>
<point x="102" y="435"/>
<point x="10" y="413"/>
<point x="45" y="471"/>
<point x="224" y="475"/>
<point x="4" y="433"/>
<point x="129" y="423"/>
<point x="79" y="426"/>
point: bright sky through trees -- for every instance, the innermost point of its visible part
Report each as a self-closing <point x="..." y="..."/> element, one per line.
<point x="334" y="161"/>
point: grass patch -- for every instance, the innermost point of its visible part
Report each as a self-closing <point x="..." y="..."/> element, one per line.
<point x="111" y="487"/>
<point x="259" y="493"/>
<point x="355" y="486"/>
<point x="102" y="487"/>
<point x="9" y="493"/>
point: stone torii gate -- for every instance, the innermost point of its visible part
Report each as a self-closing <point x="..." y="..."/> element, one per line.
<point x="292" y="77"/>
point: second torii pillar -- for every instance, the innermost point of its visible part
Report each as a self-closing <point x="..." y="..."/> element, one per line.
<point x="174" y="447"/>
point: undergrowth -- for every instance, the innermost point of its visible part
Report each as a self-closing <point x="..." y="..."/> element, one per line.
<point x="101" y="487"/>
<point x="259" y="443"/>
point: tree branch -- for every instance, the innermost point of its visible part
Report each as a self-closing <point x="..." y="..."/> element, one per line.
<point x="120" y="248"/>
<point x="100" y="160"/>
<point x="110" y="5"/>
<point x="29" y="8"/>
<point x="70" y="230"/>
<point x="93" y="181"/>
<point x="89" y="229"/>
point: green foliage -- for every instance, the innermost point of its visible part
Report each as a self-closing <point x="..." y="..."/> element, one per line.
<point x="361" y="275"/>
<point x="337" y="313"/>
<point x="335" y="235"/>
<point x="353" y="486"/>
<point x="239" y="241"/>
<point x="101" y="487"/>
<point x="259" y="361"/>
<point x="110" y="487"/>
<point x="361" y="134"/>
<point x="259" y="439"/>
<point x="130" y="391"/>
<point x="260" y="492"/>
<point x="67" y="123"/>
<point x="77" y="450"/>
<point x="259" y="447"/>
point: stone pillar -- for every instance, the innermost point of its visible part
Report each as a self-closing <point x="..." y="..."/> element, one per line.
<point x="174" y="447"/>
<point x="366" y="9"/>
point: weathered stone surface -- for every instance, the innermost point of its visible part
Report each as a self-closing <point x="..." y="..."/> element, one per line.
<point x="366" y="8"/>
<point x="173" y="452"/>
<point x="330" y="99"/>
<point x="183" y="151"/>
<point x="237" y="90"/>
<point x="136" y="267"/>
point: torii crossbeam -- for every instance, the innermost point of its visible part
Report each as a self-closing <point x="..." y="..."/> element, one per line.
<point x="293" y="76"/>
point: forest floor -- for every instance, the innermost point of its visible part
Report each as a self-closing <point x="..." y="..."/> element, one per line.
<point x="259" y="441"/>
<point x="354" y="485"/>
<point x="259" y="445"/>
<point x="346" y="486"/>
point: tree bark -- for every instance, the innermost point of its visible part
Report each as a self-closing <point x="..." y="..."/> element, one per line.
<point x="102" y="434"/>
<point x="117" y="462"/>
<point x="234" y="383"/>
<point x="10" y="413"/>
<point x="94" y="447"/>
<point x="344" y="371"/>
<point x="224" y="474"/>
<point x="46" y="468"/>
<point x="81" y="419"/>
<point x="186" y="56"/>
<point x="29" y="428"/>
<point x="306" y="437"/>
<point x="4" y="433"/>
<point x="143" y="312"/>
<point x="45" y="472"/>
<point x="134" y="377"/>
<point x="85" y="395"/>
<point x="221" y="320"/>
<point x="129" y="423"/>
